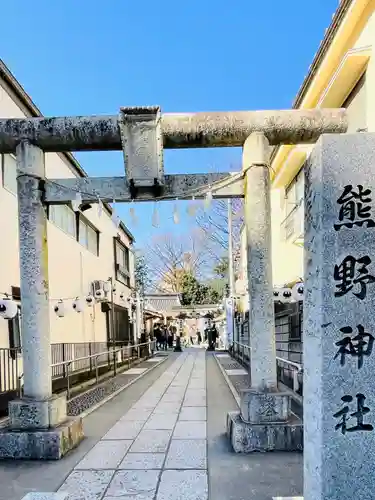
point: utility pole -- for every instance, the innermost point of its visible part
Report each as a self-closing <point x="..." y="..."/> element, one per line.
<point x="230" y="302"/>
<point x="230" y="249"/>
<point x="112" y="316"/>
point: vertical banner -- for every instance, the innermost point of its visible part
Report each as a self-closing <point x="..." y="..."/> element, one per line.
<point x="229" y="312"/>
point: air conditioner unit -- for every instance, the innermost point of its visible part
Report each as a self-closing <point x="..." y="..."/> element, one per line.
<point x="99" y="290"/>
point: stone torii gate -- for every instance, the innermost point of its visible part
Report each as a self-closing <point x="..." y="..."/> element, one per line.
<point x="39" y="427"/>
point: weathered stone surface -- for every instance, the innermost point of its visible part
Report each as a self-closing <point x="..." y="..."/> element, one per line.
<point x="255" y="164"/>
<point x="246" y="438"/>
<point x="51" y="444"/>
<point x="264" y="407"/>
<point x="187" y="454"/>
<point x="31" y="414"/>
<point x="34" y="495"/>
<point x="339" y="320"/>
<point x="130" y="483"/>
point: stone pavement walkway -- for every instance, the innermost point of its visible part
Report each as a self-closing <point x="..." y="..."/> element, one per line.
<point x="158" y="447"/>
<point x="163" y="438"/>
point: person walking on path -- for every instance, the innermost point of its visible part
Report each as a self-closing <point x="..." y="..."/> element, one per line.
<point x="199" y="337"/>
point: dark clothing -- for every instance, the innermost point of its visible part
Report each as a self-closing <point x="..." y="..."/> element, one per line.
<point x="212" y="337"/>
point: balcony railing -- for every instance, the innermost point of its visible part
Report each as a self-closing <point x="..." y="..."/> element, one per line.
<point x="289" y="373"/>
<point x="69" y="359"/>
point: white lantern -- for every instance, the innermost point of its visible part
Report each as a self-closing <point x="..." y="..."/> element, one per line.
<point x="285" y="295"/>
<point x="77" y="305"/>
<point x="8" y="308"/>
<point x="90" y="300"/>
<point x="60" y="309"/>
<point x="297" y="291"/>
<point x="99" y="294"/>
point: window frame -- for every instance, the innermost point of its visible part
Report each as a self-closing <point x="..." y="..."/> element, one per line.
<point x="49" y="214"/>
<point x="82" y="219"/>
<point x="291" y="206"/>
<point x="78" y="220"/>
<point x="2" y="161"/>
<point x="122" y="274"/>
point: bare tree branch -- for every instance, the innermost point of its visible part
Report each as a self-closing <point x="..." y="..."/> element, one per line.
<point x="214" y="223"/>
<point x="171" y="256"/>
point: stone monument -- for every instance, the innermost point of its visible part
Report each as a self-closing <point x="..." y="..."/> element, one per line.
<point x="339" y="319"/>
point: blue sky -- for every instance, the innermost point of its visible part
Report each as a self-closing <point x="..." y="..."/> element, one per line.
<point x="91" y="57"/>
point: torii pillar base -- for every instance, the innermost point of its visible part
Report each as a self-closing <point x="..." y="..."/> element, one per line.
<point x="265" y="423"/>
<point x="39" y="430"/>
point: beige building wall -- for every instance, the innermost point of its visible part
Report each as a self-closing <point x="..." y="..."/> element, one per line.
<point x="72" y="267"/>
<point x="287" y="256"/>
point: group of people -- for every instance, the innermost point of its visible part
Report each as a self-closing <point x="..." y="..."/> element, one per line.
<point x="211" y="336"/>
<point x="164" y="336"/>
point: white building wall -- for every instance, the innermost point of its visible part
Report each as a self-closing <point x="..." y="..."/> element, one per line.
<point x="71" y="266"/>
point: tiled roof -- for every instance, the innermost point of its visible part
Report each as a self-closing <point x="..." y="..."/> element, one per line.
<point x="162" y="302"/>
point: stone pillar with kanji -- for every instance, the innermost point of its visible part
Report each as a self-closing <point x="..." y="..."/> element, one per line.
<point x="339" y="319"/>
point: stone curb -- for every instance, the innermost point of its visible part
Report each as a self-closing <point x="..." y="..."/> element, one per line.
<point x="230" y="385"/>
<point x="87" y="412"/>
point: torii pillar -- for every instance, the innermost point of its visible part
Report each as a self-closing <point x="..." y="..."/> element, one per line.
<point x="265" y="422"/>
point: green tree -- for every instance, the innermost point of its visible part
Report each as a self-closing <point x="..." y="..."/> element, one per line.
<point x="209" y="295"/>
<point x="221" y="268"/>
<point x="142" y="278"/>
<point x="195" y="293"/>
<point x="191" y="290"/>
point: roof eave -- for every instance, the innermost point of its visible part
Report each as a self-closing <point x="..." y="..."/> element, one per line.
<point x="319" y="56"/>
<point x="34" y="111"/>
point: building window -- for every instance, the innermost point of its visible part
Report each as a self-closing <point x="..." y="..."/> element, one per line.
<point x="293" y="223"/>
<point x="75" y="225"/>
<point x="122" y="268"/>
<point x="294" y="193"/>
<point x="88" y="236"/>
<point x="9" y="173"/>
<point x="64" y="218"/>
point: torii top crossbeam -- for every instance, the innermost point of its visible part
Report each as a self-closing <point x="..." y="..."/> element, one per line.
<point x="189" y="130"/>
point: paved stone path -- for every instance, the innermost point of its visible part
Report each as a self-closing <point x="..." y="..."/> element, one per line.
<point x="150" y="443"/>
<point x="158" y="449"/>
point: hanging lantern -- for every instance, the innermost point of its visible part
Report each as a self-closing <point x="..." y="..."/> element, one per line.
<point x="8" y="308"/>
<point x="285" y="295"/>
<point x="60" y="309"/>
<point x="297" y="291"/>
<point x="77" y="305"/>
<point x="90" y="300"/>
<point x="99" y="294"/>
